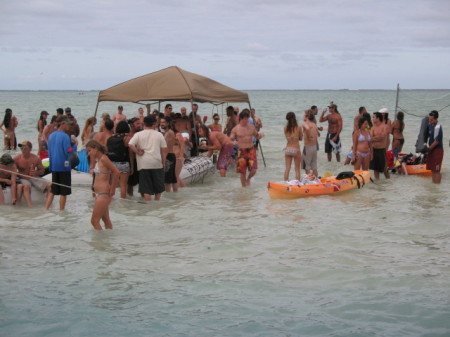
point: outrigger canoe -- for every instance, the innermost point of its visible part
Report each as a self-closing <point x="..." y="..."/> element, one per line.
<point x="330" y="185"/>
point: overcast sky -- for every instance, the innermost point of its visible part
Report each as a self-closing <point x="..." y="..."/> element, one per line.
<point x="245" y="44"/>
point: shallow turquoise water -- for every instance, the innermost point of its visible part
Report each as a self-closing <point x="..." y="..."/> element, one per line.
<point x="219" y="260"/>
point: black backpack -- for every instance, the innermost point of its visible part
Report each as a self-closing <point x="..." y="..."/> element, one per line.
<point x="345" y="175"/>
<point x="117" y="151"/>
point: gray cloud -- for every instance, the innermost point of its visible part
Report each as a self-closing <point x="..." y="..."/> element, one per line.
<point x="256" y="36"/>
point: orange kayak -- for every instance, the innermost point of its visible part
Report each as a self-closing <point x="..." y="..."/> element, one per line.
<point x="416" y="168"/>
<point x="329" y="185"/>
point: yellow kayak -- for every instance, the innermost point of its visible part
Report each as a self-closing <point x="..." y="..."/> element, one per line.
<point x="336" y="184"/>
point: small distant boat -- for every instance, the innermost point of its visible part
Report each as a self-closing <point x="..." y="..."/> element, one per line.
<point x="344" y="181"/>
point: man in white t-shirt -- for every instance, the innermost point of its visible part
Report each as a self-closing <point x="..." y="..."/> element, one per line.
<point x="151" y="150"/>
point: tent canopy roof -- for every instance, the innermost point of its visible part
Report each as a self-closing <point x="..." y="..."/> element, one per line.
<point x="172" y="84"/>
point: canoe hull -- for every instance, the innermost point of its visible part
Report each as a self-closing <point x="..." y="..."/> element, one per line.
<point x="328" y="185"/>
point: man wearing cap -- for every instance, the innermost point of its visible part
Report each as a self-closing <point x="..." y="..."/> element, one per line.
<point x="436" y="147"/>
<point x="333" y="141"/>
<point x="8" y="177"/>
<point x="59" y="151"/>
<point x="151" y="149"/>
<point x="30" y="170"/>
<point x="119" y="116"/>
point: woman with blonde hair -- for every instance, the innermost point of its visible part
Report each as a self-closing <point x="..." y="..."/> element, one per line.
<point x="105" y="181"/>
<point x="88" y="130"/>
<point x="294" y="135"/>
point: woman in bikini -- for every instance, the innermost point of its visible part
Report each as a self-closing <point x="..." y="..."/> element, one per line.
<point x="362" y="146"/>
<point x="178" y="150"/>
<point x="293" y="135"/>
<point x="10" y="123"/>
<point x="397" y="133"/>
<point x="42" y="122"/>
<point x="216" y="126"/>
<point x="106" y="179"/>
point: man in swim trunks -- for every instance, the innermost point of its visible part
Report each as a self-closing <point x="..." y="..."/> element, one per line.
<point x="436" y="147"/>
<point x="310" y="136"/>
<point x="30" y="170"/>
<point x="246" y="158"/>
<point x="332" y="142"/>
<point x="378" y="134"/>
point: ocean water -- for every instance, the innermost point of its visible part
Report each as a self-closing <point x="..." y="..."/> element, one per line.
<point x="219" y="260"/>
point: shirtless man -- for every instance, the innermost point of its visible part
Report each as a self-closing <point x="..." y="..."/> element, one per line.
<point x="182" y="124"/>
<point x="183" y="112"/>
<point x="140" y="114"/>
<point x="310" y="136"/>
<point x="49" y="128"/>
<point x="378" y="134"/>
<point x="315" y="111"/>
<point x="333" y="142"/>
<point x="168" y="110"/>
<point x="8" y="177"/>
<point x="102" y="136"/>
<point x="30" y="166"/>
<point x="388" y="125"/>
<point x="246" y="158"/>
<point x="232" y="121"/>
<point x="218" y="141"/>
<point x="170" y="178"/>
<point x="119" y="116"/>
<point x="198" y="118"/>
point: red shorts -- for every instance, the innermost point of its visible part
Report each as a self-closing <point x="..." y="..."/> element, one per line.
<point x="434" y="160"/>
<point x="246" y="158"/>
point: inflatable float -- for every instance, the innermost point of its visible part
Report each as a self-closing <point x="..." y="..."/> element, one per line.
<point x="195" y="170"/>
<point x="344" y="181"/>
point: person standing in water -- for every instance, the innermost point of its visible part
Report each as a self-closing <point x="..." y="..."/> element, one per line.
<point x="294" y="135"/>
<point x="106" y="179"/>
<point x="435" y="147"/>
<point x="246" y="158"/>
<point x="333" y="141"/>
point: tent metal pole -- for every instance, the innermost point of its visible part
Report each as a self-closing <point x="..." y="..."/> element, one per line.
<point x="96" y="108"/>
<point x="258" y="141"/>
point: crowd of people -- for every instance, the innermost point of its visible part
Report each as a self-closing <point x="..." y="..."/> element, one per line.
<point x="371" y="147"/>
<point x="147" y="150"/>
